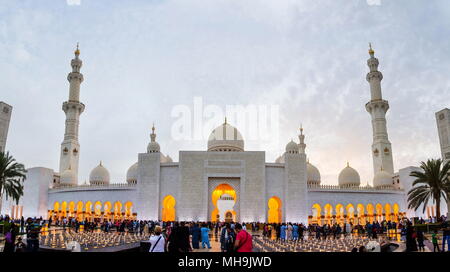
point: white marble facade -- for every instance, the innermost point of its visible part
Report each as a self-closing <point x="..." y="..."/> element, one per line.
<point x="156" y="185"/>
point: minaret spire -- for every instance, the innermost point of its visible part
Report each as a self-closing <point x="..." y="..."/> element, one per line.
<point x="70" y="147"/>
<point x="153" y="135"/>
<point x="301" y="145"/>
<point x="377" y="107"/>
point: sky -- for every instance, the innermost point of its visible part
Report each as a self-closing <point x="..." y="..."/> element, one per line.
<point x="143" y="60"/>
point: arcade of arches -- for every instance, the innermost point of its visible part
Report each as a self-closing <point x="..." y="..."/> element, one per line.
<point x="355" y="214"/>
<point x="92" y="210"/>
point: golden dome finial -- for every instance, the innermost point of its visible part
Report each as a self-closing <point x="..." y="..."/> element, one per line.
<point x="77" y="51"/>
<point x="153" y="128"/>
<point x="371" y="51"/>
<point x="301" y="129"/>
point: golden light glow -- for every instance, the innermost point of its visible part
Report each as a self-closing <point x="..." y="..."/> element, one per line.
<point x="340" y="213"/>
<point x="217" y="193"/>
<point x="361" y="215"/>
<point x="317" y="214"/>
<point x="379" y="209"/>
<point x="328" y="213"/>
<point x="387" y="211"/>
<point x="128" y="209"/>
<point x="370" y="212"/>
<point x="275" y="213"/>
<point x="168" y="208"/>
<point x="97" y="208"/>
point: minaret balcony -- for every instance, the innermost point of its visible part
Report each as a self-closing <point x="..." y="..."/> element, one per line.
<point x="75" y="75"/>
<point x="374" y="75"/>
<point x="377" y="104"/>
<point x="73" y="105"/>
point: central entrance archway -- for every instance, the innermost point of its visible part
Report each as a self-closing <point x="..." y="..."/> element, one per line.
<point x="223" y="199"/>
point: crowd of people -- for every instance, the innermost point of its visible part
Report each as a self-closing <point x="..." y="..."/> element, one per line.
<point x="190" y="236"/>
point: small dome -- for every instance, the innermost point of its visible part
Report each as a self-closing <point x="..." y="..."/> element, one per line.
<point x="280" y="159"/>
<point x="225" y="138"/>
<point x="68" y="177"/>
<point x="153" y="147"/>
<point x="99" y="175"/>
<point x="382" y="178"/>
<point x="349" y="177"/>
<point x="292" y="147"/>
<point x="313" y="174"/>
<point x="165" y="159"/>
<point x="132" y="174"/>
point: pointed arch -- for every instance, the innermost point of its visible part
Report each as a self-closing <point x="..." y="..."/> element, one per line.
<point x="379" y="211"/>
<point x="339" y="213"/>
<point x="168" y="208"/>
<point x="274" y="213"/>
<point x="316" y="211"/>
<point x="350" y="209"/>
<point x="128" y="209"/>
<point x="117" y="210"/>
<point x="328" y="212"/>
<point x="388" y="211"/>
<point x="370" y="212"/>
<point x="361" y="214"/>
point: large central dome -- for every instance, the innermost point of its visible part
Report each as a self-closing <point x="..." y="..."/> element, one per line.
<point x="225" y="138"/>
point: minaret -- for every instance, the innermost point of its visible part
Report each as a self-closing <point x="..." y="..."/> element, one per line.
<point x="301" y="145"/>
<point x="70" y="147"/>
<point x="377" y="107"/>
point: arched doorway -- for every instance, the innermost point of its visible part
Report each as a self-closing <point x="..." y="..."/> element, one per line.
<point x="107" y="210"/>
<point x="223" y="199"/>
<point x="168" y="208"/>
<point x="340" y="214"/>
<point x="361" y="214"/>
<point x="316" y="214"/>
<point x="80" y="211"/>
<point x="370" y="213"/>
<point x="350" y="213"/>
<point x="328" y="209"/>
<point x="396" y="212"/>
<point x="274" y="214"/>
<point x="379" y="210"/>
<point x="117" y="210"/>
<point x="388" y="212"/>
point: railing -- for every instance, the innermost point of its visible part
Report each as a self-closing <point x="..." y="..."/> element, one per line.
<point x="81" y="187"/>
<point x="352" y="188"/>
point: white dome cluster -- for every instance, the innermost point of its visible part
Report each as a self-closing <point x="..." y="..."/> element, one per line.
<point x="313" y="174"/>
<point x="68" y="177"/>
<point x="349" y="177"/>
<point x="382" y="179"/>
<point x="99" y="175"/>
<point x="132" y="174"/>
<point x="292" y="148"/>
<point x="225" y="138"/>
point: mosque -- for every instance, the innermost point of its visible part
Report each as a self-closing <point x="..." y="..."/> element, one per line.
<point x="224" y="182"/>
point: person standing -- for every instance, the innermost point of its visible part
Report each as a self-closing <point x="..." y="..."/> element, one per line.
<point x="205" y="236"/>
<point x="435" y="239"/>
<point x="196" y="236"/>
<point x="446" y="235"/>
<point x="420" y="239"/>
<point x="243" y="241"/>
<point x="157" y="241"/>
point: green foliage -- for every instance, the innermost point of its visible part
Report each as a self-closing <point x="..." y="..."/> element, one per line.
<point x="431" y="183"/>
<point x="12" y="175"/>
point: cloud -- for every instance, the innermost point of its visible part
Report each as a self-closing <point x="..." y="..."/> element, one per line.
<point x="141" y="58"/>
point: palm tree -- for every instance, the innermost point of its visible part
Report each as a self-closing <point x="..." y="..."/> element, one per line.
<point x="12" y="175"/>
<point x="433" y="183"/>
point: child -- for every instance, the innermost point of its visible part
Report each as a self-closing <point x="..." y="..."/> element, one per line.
<point x="435" y="239"/>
